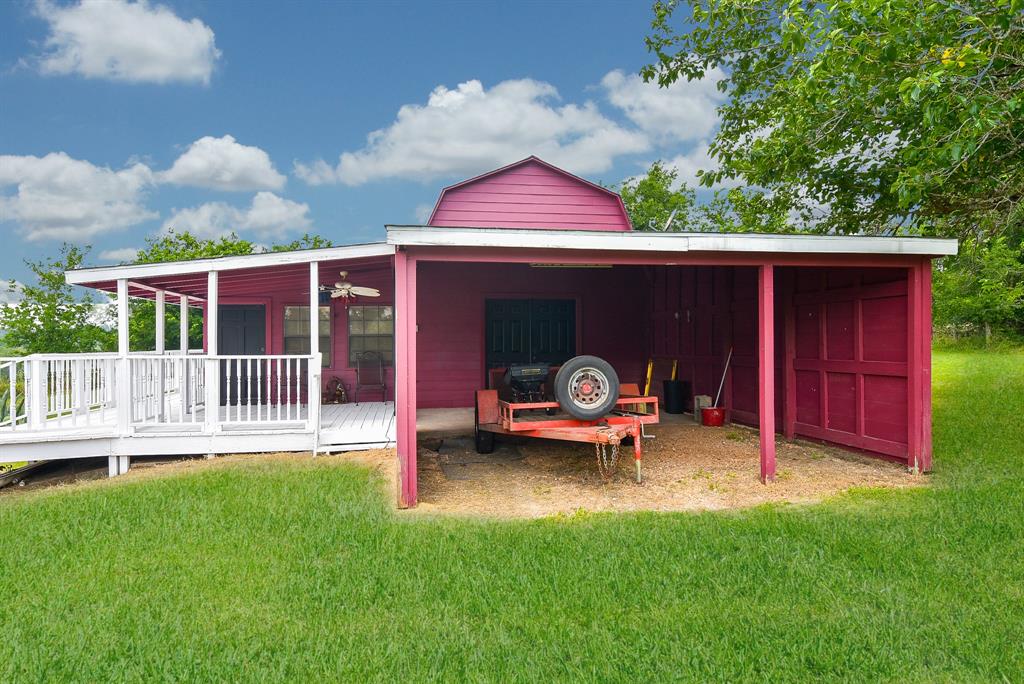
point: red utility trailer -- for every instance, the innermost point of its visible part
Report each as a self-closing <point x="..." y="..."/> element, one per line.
<point x="626" y="419"/>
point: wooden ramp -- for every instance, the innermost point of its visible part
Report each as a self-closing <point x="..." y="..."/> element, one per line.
<point x="349" y="427"/>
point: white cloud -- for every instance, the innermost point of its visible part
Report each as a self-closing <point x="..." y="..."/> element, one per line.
<point x="224" y="164"/>
<point x="57" y="197"/>
<point x="126" y="41"/>
<point x="686" y="111"/>
<point x="121" y="255"/>
<point x="267" y="216"/>
<point x="472" y="129"/>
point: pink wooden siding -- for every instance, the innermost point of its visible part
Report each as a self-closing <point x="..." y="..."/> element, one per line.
<point x="530" y="194"/>
<point x="841" y="341"/>
<point x="850" y="359"/>
<point x="450" y="316"/>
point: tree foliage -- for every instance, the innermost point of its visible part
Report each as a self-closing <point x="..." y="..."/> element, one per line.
<point x="652" y="199"/>
<point x="866" y="115"/>
<point x="982" y="287"/>
<point x="49" y="318"/>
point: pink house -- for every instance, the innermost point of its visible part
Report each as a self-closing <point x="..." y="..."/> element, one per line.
<point x="830" y="336"/>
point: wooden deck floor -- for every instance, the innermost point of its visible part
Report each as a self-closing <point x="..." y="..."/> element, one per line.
<point x="343" y="427"/>
<point x="363" y="425"/>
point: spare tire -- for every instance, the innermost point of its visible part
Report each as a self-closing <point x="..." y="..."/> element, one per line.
<point x="586" y="387"/>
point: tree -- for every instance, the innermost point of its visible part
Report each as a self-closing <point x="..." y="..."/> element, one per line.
<point x="982" y="287"/>
<point x="49" y="318"/>
<point x="894" y="115"/>
<point x="307" y="241"/>
<point x="652" y="199"/>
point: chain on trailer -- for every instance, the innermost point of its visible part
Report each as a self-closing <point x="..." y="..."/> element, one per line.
<point x="607" y="459"/>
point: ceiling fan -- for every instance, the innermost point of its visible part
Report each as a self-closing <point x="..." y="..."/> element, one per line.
<point x="347" y="291"/>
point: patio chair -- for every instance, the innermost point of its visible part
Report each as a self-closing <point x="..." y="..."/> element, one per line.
<point x="370" y="374"/>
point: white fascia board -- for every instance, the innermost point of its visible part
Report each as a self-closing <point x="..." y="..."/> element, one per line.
<point x="427" y="236"/>
<point x="228" y="263"/>
<point x="534" y="239"/>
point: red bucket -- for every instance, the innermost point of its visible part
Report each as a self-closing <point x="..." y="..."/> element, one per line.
<point x="712" y="417"/>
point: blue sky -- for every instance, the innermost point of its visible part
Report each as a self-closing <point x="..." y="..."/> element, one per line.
<point x="119" y="119"/>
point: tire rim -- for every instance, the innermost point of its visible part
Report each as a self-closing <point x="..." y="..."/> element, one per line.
<point x="588" y="387"/>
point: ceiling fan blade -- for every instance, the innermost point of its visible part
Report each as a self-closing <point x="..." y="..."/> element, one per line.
<point x="365" y="291"/>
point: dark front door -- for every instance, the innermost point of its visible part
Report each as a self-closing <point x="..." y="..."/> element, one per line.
<point x="530" y="331"/>
<point x="241" y="330"/>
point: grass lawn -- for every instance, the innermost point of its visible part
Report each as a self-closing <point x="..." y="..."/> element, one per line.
<point x="300" y="571"/>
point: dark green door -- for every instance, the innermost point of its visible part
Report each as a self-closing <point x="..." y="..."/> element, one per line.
<point x="530" y="331"/>
<point x="241" y="330"/>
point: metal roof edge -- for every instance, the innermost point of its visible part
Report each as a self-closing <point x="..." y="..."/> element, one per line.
<point x="537" y="238"/>
<point x="94" y="274"/>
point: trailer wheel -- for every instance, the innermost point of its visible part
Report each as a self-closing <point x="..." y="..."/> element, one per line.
<point x="483" y="440"/>
<point x="586" y="387"/>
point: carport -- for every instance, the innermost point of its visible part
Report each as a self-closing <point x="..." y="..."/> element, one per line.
<point x="831" y="336"/>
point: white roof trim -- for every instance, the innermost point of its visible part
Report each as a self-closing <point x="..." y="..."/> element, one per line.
<point x="642" y="241"/>
<point x="227" y="263"/>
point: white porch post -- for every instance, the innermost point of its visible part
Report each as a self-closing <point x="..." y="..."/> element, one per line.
<point x="313" y="401"/>
<point x="118" y="464"/>
<point x="35" y="383"/>
<point x="161" y="321"/>
<point x="161" y="346"/>
<point x="212" y="363"/>
<point x="185" y="383"/>
<point x="183" y="325"/>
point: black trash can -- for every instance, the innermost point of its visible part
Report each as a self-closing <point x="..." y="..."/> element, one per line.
<point x="676" y="393"/>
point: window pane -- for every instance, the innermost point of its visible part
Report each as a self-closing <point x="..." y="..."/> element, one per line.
<point x="386" y="314"/>
<point x="296" y="331"/>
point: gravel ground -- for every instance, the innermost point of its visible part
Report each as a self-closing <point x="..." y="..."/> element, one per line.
<point x="686" y="467"/>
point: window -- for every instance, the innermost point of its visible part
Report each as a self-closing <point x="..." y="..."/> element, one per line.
<point x="296" y="332"/>
<point x="371" y="328"/>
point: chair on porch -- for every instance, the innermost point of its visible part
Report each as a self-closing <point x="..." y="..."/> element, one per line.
<point x="370" y="374"/>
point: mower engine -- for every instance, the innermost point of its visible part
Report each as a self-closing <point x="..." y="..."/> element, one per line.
<point x="526" y="383"/>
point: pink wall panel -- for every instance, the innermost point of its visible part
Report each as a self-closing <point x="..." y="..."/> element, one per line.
<point x="847" y="351"/>
<point x="701" y="311"/>
<point x="885" y="328"/>
<point x="850" y="358"/>
<point x="450" y="315"/>
<point x="885" y="405"/>
<point x="842" y="402"/>
<point x="530" y="194"/>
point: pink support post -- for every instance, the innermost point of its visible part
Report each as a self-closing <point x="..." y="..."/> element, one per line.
<point x="405" y="376"/>
<point x="914" y="368"/>
<point x="926" y="365"/>
<point x="766" y="369"/>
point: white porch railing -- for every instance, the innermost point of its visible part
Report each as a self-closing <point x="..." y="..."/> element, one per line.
<point x="128" y="393"/>
<point x="56" y="391"/>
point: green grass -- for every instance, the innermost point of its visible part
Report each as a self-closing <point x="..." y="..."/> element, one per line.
<point x="300" y="571"/>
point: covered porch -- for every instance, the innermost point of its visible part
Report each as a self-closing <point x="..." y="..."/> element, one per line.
<point x="263" y="376"/>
